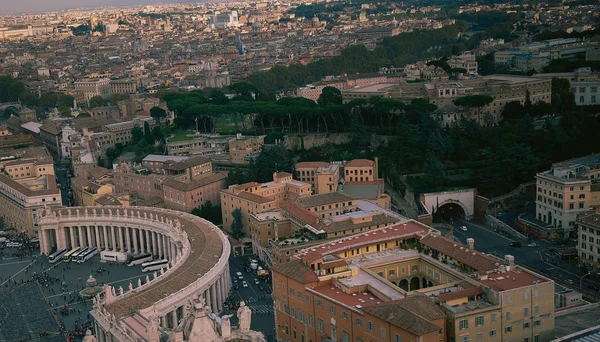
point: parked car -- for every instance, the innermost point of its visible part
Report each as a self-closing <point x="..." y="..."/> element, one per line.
<point x="256" y="281"/>
<point x="244" y="284"/>
<point x="533" y="244"/>
<point x="515" y="244"/>
<point x="261" y="287"/>
<point x="463" y="228"/>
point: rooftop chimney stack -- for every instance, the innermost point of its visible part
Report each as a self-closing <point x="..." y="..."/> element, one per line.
<point x="471" y="243"/>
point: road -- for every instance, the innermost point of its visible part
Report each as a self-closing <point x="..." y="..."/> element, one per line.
<point x="539" y="258"/>
<point x="258" y="300"/>
<point x="61" y="172"/>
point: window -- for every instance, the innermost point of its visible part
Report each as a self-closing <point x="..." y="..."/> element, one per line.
<point x="493" y="318"/>
<point x="359" y="322"/>
<point x="309" y="319"/>
<point x="479" y="336"/>
<point x="479" y="321"/>
<point x="526" y="325"/>
<point x="391" y="273"/>
<point x="508" y="329"/>
<point x="536" y="338"/>
<point x="308" y="298"/>
<point x="319" y="303"/>
<point x="285" y="308"/>
<point x="300" y="316"/>
<point x="508" y="316"/>
<point x="382" y="332"/>
<point x="526" y="312"/>
<point x="507" y="299"/>
<point x="291" y="290"/>
<point x="370" y="326"/>
<point x="526" y="339"/>
<point x="332" y="309"/>
<point x="320" y="324"/>
<point x="397" y="338"/>
<point x="537" y="323"/>
<point x="415" y="268"/>
<point x="492" y="332"/>
<point x="344" y="315"/>
<point x="463" y="324"/>
<point x="293" y="312"/>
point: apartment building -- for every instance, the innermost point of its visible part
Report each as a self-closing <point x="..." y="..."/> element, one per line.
<point x="27" y="184"/>
<point x="408" y="283"/>
<point x="242" y="148"/>
<point x="256" y="197"/>
<point x="537" y="55"/>
<point x="465" y="61"/>
<point x="123" y="86"/>
<point x="565" y="191"/>
<point x="360" y="170"/>
<point x="138" y="181"/>
<point x="323" y="177"/>
<point x="584" y="84"/>
<point x="588" y="239"/>
<point x="106" y="113"/>
<point x="89" y="88"/>
<point x="119" y="132"/>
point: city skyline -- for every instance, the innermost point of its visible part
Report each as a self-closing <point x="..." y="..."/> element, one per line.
<point x="33" y="6"/>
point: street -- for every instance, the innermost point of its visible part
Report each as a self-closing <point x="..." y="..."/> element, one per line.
<point x="61" y="170"/>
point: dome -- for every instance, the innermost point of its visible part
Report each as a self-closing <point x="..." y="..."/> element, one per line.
<point x="315" y="19"/>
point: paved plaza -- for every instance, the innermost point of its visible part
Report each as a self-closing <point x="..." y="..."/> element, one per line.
<point x="60" y="284"/>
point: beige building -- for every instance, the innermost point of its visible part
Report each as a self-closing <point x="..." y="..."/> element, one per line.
<point x="408" y="283"/>
<point x="242" y="148"/>
<point x="565" y="191"/>
<point x="123" y="86"/>
<point x="27" y="184"/>
<point x="255" y="197"/>
<point x="588" y="239"/>
<point x="323" y="177"/>
<point x="89" y="88"/>
<point x="360" y="170"/>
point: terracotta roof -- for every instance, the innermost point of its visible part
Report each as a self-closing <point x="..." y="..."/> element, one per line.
<point x="413" y="314"/>
<point x="347" y="224"/>
<point x="253" y="197"/>
<point x="108" y="199"/>
<point x="26" y="191"/>
<point x="246" y="185"/>
<point x="296" y="270"/>
<point x="97" y="172"/>
<point x="186" y="164"/>
<point x="188" y="186"/>
<point x="409" y="229"/>
<point x="469" y="257"/>
<point x="311" y="165"/>
<point x="323" y="199"/>
<point x="360" y="163"/>
<point x="474" y="291"/>
<point x="516" y="277"/>
<point x="300" y="213"/>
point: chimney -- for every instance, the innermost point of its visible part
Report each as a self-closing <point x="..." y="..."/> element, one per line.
<point x="376" y="169"/>
<point x="510" y="259"/>
<point x="471" y="243"/>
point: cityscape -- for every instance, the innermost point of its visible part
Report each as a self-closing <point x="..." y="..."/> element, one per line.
<point x="302" y="171"/>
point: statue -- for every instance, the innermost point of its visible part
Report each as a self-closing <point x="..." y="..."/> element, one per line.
<point x="89" y="337"/>
<point x="120" y="290"/>
<point x="124" y="212"/>
<point x="139" y="282"/>
<point x="225" y="326"/>
<point x="48" y="212"/>
<point x="244" y="315"/>
<point x="130" y="286"/>
<point x="145" y="215"/>
<point x="177" y="224"/>
<point x="77" y="211"/>
<point x="94" y="211"/>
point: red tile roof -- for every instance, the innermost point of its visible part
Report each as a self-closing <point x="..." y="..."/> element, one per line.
<point x="408" y="229"/>
<point x="253" y="197"/>
<point x="474" y="291"/>
<point x="360" y="163"/>
<point x="314" y="164"/>
<point x="502" y="281"/>
<point x="296" y="270"/>
<point x="469" y="257"/>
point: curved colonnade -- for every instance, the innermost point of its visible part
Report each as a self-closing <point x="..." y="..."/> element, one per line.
<point x="198" y="254"/>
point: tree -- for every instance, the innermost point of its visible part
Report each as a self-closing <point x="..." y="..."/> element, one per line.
<point x="84" y="115"/>
<point x="209" y="212"/>
<point x="65" y="100"/>
<point x="272" y="159"/>
<point x="148" y="134"/>
<point x="158" y="114"/>
<point x="137" y="134"/>
<point x="474" y="101"/>
<point x="97" y="101"/>
<point x="237" y="176"/>
<point x="562" y="97"/>
<point x="237" y="225"/>
<point x="65" y="111"/>
<point x="245" y="90"/>
<point x="330" y="96"/>
<point x="116" y="98"/>
<point x="359" y="138"/>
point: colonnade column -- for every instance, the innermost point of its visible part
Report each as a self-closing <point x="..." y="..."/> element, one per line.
<point x="141" y="237"/>
<point x="219" y="295"/>
<point x="174" y="318"/>
<point x="213" y="296"/>
<point x="97" y="235"/>
<point x="72" y="235"/>
<point x="127" y="239"/>
<point x="148" y="241"/>
<point x="105" y="233"/>
<point x="135" y="240"/>
<point x="88" y="232"/>
<point x="113" y="239"/>
<point x="121" y="242"/>
<point x="154" y="243"/>
<point x="169" y="253"/>
<point x="81" y="237"/>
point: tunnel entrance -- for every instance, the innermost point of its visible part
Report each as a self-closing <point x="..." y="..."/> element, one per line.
<point x="451" y="211"/>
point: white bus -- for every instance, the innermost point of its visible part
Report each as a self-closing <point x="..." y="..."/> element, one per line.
<point x="83" y="257"/>
<point x="56" y="256"/>
<point x="154" y="265"/>
<point x="67" y="257"/>
<point x="139" y="259"/>
<point x="113" y="256"/>
<point x="76" y="255"/>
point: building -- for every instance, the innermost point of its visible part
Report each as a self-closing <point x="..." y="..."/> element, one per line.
<point x="224" y="20"/>
<point x="95" y="183"/>
<point x="138" y="181"/>
<point x="27" y="184"/>
<point x="408" y="283"/>
<point x="360" y="170"/>
<point x="237" y="149"/>
<point x="120" y="132"/>
<point x="566" y="190"/>
<point x="502" y="88"/>
<point x="89" y="88"/>
<point x="588" y="239"/>
<point x="537" y="55"/>
<point x="242" y="148"/>
<point x="323" y="177"/>
<point x="464" y="61"/>
<point x="256" y="197"/>
<point x="584" y="85"/>
<point x="107" y="113"/>
<point x="209" y="78"/>
<point x="125" y="86"/>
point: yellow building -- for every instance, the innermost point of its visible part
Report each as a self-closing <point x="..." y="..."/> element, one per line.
<point x="349" y="287"/>
<point x="323" y="177"/>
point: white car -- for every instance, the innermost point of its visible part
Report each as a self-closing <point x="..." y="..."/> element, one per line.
<point x="533" y="244"/>
<point x="244" y="284"/>
<point x="463" y="228"/>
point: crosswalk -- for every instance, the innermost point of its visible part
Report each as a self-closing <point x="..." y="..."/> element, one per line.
<point x="261" y="308"/>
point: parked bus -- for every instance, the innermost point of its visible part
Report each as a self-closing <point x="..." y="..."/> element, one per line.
<point x="139" y="259"/>
<point x="56" y="256"/>
<point x="82" y="251"/>
<point x="83" y="257"/>
<point x="154" y="265"/>
<point x="67" y="257"/>
<point x="113" y="256"/>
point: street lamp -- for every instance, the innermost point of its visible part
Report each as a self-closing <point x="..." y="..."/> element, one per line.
<point x="581" y="279"/>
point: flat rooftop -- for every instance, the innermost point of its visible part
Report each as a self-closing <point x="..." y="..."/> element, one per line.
<point x="374" y="88"/>
<point x="357" y="300"/>
<point x="516" y="277"/>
